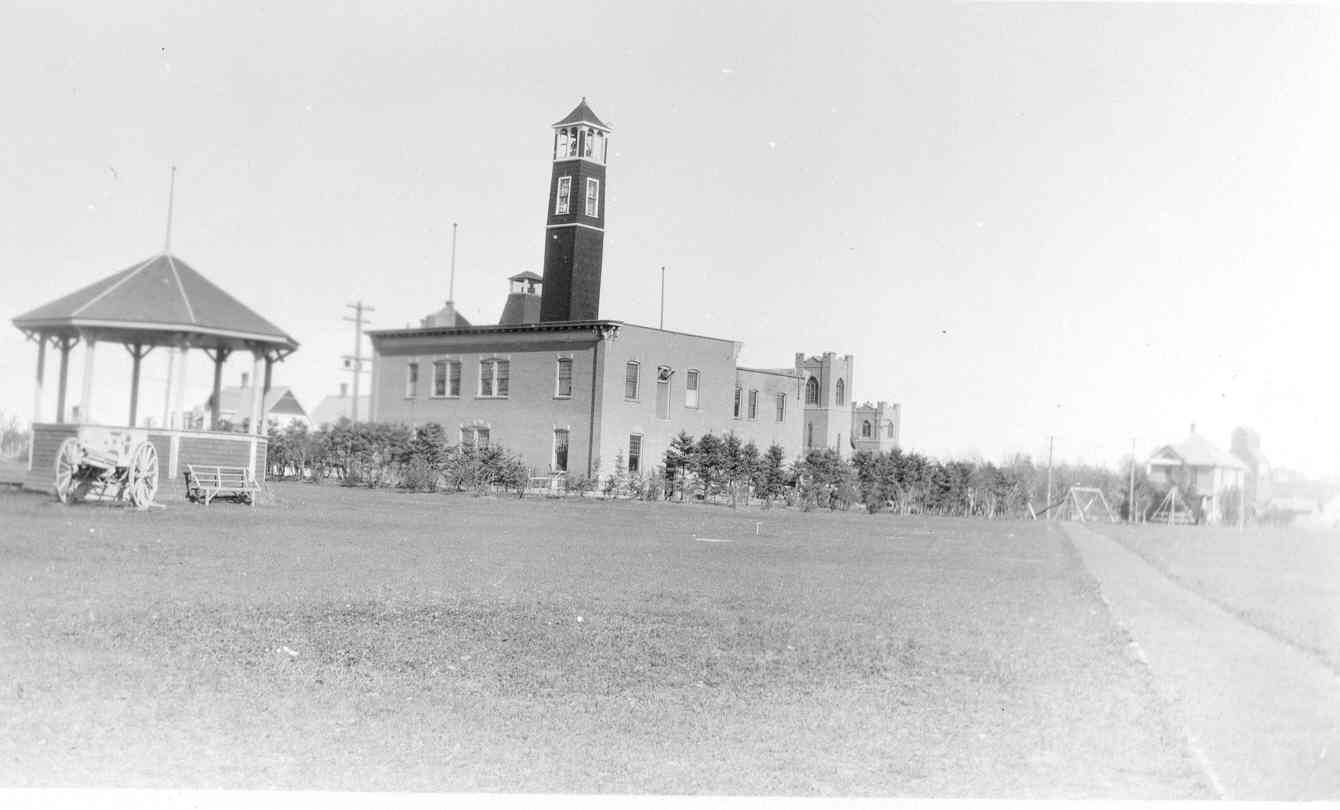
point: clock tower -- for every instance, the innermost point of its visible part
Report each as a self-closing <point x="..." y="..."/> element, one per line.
<point x="574" y="241"/>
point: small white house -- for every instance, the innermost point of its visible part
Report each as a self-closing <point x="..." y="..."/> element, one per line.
<point x="1204" y="475"/>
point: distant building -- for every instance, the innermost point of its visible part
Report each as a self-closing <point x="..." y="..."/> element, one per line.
<point x="335" y="407"/>
<point x="572" y="392"/>
<point x="1246" y="445"/>
<point x="1205" y="475"/>
<point x="280" y="405"/>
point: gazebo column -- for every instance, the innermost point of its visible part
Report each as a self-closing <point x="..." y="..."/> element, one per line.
<point x="257" y="401"/>
<point x="269" y="366"/>
<point x="219" y="356"/>
<point x="181" y="353"/>
<point x="137" y="353"/>
<point x="65" y="342"/>
<point x="86" y="394"/>
<point x="41" y="373"/>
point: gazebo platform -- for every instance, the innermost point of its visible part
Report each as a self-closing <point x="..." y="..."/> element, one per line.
<point x="176" y="449"/>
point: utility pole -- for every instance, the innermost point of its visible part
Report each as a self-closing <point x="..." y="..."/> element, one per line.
<point x="354" y="362"/>
<point x="1131" y="508"/>
<point x="1051" y="440"/>
<point x="662" y="296"/>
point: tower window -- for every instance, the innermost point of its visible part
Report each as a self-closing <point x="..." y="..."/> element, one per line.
<point x="630" y="379"/>
<point x="753" y="403"/>
<point x="563" y="385"/>
<point x="812" y="392"/>
<point x="691" y="389"/>
<point x="411" y="380"/>
<point x="563" y="199"/>
<point x="561" y="147"/>
<point x="592" y="197"/>
<point x="781" y="407"/>
<point x="865" y="429"/>
<point x="589" y="144"/>
<point x="572" y="143"/>
<point x="841" y="392"/>
<point x="600" y="146"/>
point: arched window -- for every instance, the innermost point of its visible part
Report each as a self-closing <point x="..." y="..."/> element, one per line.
<point x="812" y="392"/>
<point x="562" y="149"/>
<point x="572" y="144"/>
<point x="841" y="392"/>
<point x="865" y="429"/>
<point x="590" y="143"/>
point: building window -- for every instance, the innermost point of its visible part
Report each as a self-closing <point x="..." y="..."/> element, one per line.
<point x="809" y="435"/>
<point x="781" y="407"/>
<point x="411" y="381"/>
<point x="477" y="437"/>
<point x="561" y="450"/>
<point x="738" y="396"/>
<point x="865" y="429"/>
<point x="753" y="403"/>
<point x="841" y="392"/>
<point x="691" y="389"/>
<point x="634" y="453"/>
<point x="663" y="392"/>
<point x="494" y="378"/>
<point x="890" y="430"/>
<point x="600" y="146"/>
<point x="630" y="379"/>
<point x="561" y="148"/>
<point x="592" y="197"/>
<point x="563" y="383"/>
<point x="562" y="200"/>
<point x="812" y="392"/>
<point x="572" y="143"/>
<point x="446" y="378"/>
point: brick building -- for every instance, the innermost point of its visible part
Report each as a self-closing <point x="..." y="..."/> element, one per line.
<point x="570" y="391"/>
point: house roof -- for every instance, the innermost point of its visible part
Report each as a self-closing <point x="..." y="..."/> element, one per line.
<point x="236" y="400"/>
<point x="154" y="300"/>
<point x="581" y="114"/>
<point x="1197" y="451"/>
<point x="526" y="275"/>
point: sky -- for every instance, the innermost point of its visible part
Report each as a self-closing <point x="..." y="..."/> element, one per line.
<point x="1096" y="222"/>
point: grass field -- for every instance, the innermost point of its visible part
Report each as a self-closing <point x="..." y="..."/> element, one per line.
<point x="353" y="639"/>
<point x="1284" y="581"/>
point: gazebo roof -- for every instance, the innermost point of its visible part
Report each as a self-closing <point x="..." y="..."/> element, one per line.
<point x="153" y="302"/>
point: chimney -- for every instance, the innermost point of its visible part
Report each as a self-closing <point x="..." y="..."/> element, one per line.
<point x="344" y="390"/>
<point x="245" y="378"/>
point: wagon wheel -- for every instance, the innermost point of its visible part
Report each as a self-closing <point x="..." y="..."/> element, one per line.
<point x="68" y="486"/>
<point x="142" y="476"/>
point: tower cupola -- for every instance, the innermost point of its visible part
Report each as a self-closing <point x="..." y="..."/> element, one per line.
<point x="581" y="134"/>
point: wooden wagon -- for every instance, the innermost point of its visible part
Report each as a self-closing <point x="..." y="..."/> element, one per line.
<point x="116" y="463"/>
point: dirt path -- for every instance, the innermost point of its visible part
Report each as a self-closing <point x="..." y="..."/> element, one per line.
<point x="1262" y="718"/>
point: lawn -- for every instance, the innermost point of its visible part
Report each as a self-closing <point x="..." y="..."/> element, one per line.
<point x="1285" y="581"/>
<point x="351" y="639"/>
